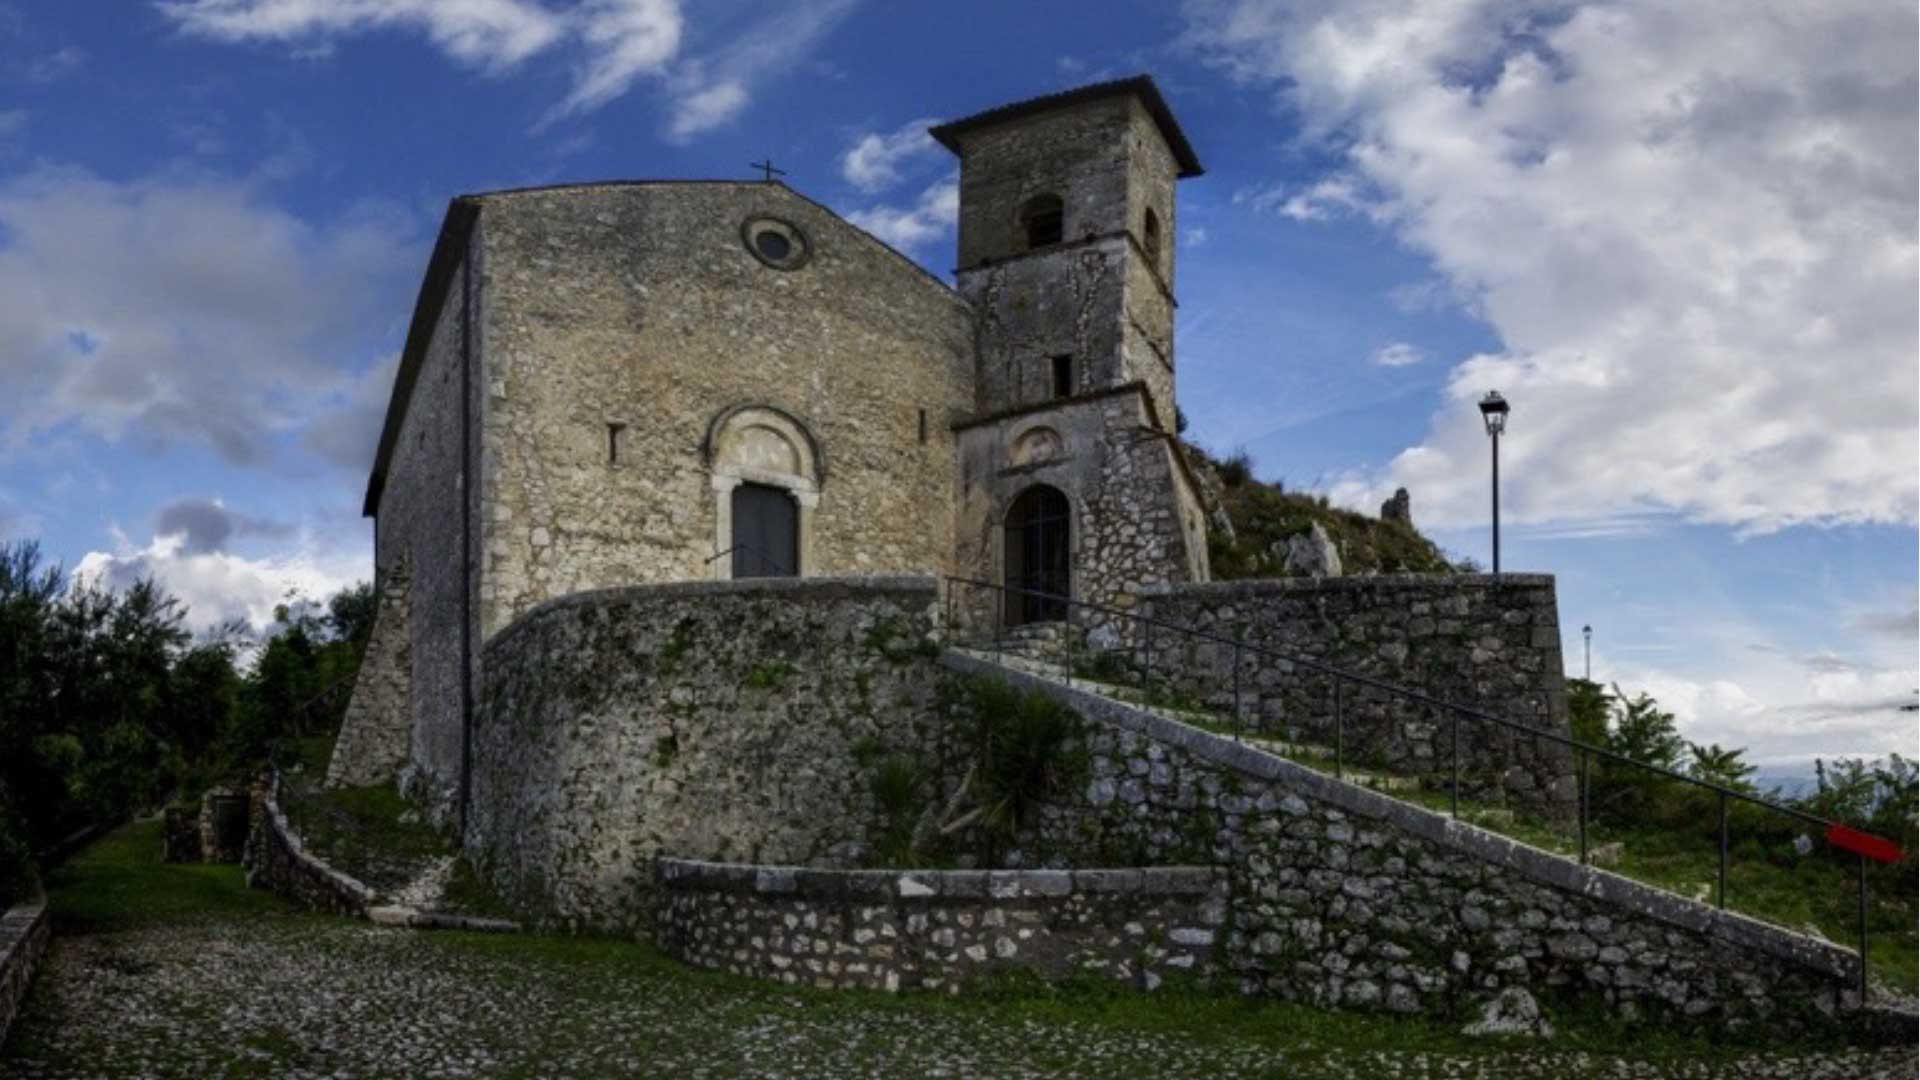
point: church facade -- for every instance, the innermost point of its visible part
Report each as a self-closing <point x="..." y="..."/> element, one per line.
<point x="627" y="383"/>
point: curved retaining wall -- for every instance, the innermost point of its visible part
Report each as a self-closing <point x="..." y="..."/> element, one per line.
<point x="715" y="720"/>
<point x="1344" y="896"/>
<point x="1488" y="642"/>
<point x="939" y="930"/>
<point x="24" y="931"/>
<point x="276" y="860"/>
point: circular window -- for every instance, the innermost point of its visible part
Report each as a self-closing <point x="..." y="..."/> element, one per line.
<point x="774" y="242"/>
<point x="771" y="244"/>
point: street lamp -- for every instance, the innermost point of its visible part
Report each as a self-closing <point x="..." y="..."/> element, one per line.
<point x="1587" y="631"/>
<point x="1493" y="409"/>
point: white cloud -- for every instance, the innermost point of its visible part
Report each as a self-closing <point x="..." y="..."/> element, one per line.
<point x="1693" y="227"/>
<point x="709" y="91"/>
<point x="703" y="109"/>
<point x="56" y="65"/>
<point x="185" y="309"/>
<point x="1784" y="710"/>
<point x="875" y="160"/>
<point x="1398" y="354"/>
<point x="489" y="34"/>
<point x="215" y="585"/>
<point x="12" y="122"/>
<point x="628" y="39"/>
<point x="906" y="228"/>
<point x="622" y="42"/>
<point x="1195" y="238"/>
<point x="1320" y="201"/>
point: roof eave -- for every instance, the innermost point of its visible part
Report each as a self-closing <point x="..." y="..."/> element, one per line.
<point x="1140" y="86"/>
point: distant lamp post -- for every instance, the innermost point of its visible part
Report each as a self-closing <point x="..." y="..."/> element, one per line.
<point x="1494" y="409"/>
<point x="1587" y="632"/>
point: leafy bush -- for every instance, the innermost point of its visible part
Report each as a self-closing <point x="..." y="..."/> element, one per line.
<point x="16" y="859"/>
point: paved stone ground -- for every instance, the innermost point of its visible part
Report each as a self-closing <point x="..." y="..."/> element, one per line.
<point x="309" y="997"/>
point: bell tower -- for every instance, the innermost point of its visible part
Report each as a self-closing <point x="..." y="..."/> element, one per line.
<point x="1066" y="252"/>
<point x="1071" y="482"/>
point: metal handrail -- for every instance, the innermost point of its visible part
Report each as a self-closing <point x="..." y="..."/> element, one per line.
<point x="1584" y="751"/>
<point x="768" y="561"/>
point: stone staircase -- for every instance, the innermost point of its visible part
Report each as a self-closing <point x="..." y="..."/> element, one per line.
<point x="1047" y="652"/>
<point x="1484" y="836"/>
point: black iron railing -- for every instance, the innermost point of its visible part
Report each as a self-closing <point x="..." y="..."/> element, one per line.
<point x="1584" y="753"/>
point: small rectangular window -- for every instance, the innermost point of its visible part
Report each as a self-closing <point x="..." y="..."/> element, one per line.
<point x="923" y="427"/>
<point x="1063" y="376"/>
<point x="613" y="442"/>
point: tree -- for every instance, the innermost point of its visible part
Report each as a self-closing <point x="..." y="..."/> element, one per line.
<point x="350" y="613"/>
<point x="1588" y="707"/>
<point x="1722" y="767"/>
<point x="1641" y="730"/>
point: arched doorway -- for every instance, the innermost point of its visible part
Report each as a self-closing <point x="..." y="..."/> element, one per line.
<point x="1038" y="556"/>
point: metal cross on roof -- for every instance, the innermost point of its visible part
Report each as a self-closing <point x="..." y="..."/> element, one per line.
<point x="767" y="167"/>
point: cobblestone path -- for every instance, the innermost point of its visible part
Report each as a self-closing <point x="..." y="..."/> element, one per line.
<point x="181" y="971"/>
<point x="302" y="996"/>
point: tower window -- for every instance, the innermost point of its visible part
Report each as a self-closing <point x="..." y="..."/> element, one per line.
<point x="1043" y="218"/>
<point x="923" y="427"/>
<point x="1063" y="376"/>
<point x="1150" y="238"/>
<point x="613" y="442"/>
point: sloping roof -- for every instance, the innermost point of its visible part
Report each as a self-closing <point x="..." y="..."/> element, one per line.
<point x="1140" y="86"/>
<point x="448" y="250"/>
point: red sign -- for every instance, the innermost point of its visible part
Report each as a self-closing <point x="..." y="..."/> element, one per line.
<point x="1863" y="844"/>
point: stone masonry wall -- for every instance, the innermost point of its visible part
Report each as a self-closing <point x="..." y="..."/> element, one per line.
<point x="1134" y="522"/>
<point x="939" y="930"/>
<point x="1343" y="896"/>
<point x="24" y="932"/>
<point x="640" y="306"/>
<point x="1488" y="643"/>
<point x="375" y="734"/>
<point x="417" y="533"/>
<point x="708" y="720"/>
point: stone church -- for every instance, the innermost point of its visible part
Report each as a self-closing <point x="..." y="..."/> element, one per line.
<point x="620" y="383"/>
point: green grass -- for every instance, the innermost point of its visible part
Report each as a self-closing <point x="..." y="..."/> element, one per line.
<point x="119" y="883"/>
<point x="468" y="893"/>
<point x="362" y="820"/>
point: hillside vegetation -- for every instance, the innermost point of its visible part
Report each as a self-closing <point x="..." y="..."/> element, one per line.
<point x="1266" y="517"/>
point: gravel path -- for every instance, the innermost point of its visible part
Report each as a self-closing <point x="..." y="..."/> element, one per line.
<point x="303" y="996"/>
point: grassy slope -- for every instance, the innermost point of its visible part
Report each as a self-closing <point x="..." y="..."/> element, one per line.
<point x="1266" y="514"/>
<point x="119" y="884"/>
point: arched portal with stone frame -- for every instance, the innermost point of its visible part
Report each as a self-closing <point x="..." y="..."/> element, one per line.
<point x="1038" y="555"/>
<point x="767" y="474"/>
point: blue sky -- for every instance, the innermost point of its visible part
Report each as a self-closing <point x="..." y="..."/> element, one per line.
<point x="1680" y="238"/>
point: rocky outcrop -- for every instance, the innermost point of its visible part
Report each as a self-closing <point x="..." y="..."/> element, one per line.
<point x="1311" y="554"/>
<point x="1399" y="508"/>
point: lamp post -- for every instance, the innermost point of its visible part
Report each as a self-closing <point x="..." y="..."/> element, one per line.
<point x="1587" y="632"/>
<point x="1493" y="409"/>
